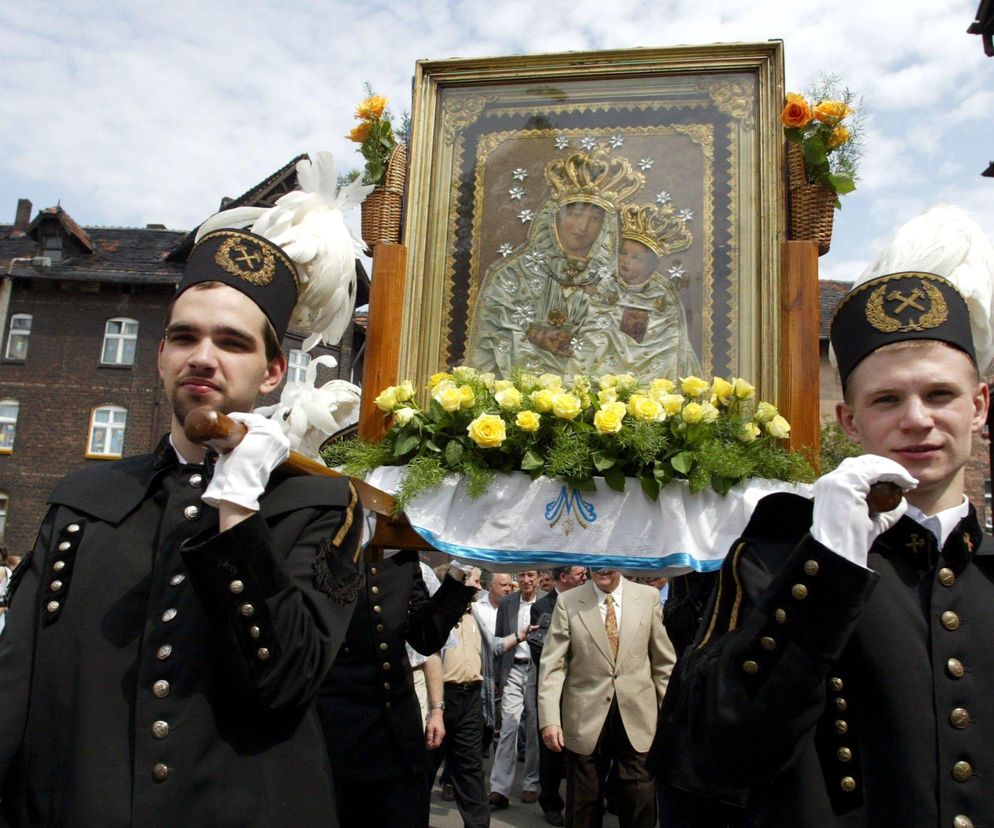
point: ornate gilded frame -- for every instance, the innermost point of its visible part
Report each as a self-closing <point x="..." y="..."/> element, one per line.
<point x="705" y="118"/>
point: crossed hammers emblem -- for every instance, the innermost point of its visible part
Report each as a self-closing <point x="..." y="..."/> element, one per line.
<point x="906" y="301"/>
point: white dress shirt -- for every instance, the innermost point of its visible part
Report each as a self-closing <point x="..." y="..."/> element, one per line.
<point x="602" y="605"/>
<point x="941" y="524"/>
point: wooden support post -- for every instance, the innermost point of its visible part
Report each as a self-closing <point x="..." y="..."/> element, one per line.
<point x="386" y="315"/>
<point x="799" y="383"/>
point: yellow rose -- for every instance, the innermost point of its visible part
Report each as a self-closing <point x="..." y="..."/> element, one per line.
<point x="463" y="373"/>
<point x="527" y="382"/>
<point x="566" y="406"/>
<point x="488" y="379"/>
<point x="626" y="382"/>
<point x="692" y="412"/>
<point x="449" y="397"/>
<point x="658" y="387"/>
<point x="360" y="132"/>
<point x="831" y="112"/>
<point x="467" y="399"/>
<point x="387" y="399"/>
<point x="607" y="395"/>
<point x="778" y="427"/>
<point x="542" y="399"/>
<point x="838" y="137"/>
<point x="765" y="412"/>
<point x="405" y="391"/>
<point x="748" y="432"/>
<point x="502" y="385"/>
<point x="402" y="416"/>
<point x="487" y="430"/>
<point x="646" y="409"/>
<point x="722" y="390"/>
<point x="608" y="420"/>
<point x="607" y="380"/>
<point x="671" y="403"/>
<point x="796" y="113"/>
<point x="441" y="376"/>
<point x="743" y="390"/>
<point x="693" y="386"/>
<point x="371" y="108"/>
<point x="581" y="385"/>
<point x="528" y="420"/>
<point x="708" y="413"/>
<point x="509" y="398"/>
<point x="551" y="381"/>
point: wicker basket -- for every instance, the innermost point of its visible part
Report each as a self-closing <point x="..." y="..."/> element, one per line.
<point x="381" y="211"/>
<point x="812" y="206"/>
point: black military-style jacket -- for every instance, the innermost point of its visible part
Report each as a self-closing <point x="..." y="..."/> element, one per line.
<point x="829" y="694"/>
<point x="368" y="706"/>
<point x="157" y="672"/>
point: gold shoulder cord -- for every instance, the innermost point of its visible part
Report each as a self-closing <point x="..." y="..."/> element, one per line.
<point x="717" y="603"/>
<point x="343" y="530"/>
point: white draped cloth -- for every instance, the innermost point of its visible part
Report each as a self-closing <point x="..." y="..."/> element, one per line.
<point x="545" y="523"/>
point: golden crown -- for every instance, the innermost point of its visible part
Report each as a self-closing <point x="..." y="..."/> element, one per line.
<point x="658" y="227"/>
<point x="594" y="178"/>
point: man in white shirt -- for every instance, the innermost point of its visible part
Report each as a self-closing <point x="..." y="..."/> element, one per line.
<point x="485" y="612"/>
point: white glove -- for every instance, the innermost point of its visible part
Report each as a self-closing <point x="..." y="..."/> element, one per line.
<point x="842" y="520"/>
<point x="240" y="476"/>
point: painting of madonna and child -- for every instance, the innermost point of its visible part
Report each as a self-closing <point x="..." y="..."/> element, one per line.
<point x="595" y="287"/>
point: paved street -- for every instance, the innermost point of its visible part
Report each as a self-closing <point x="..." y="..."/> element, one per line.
<point x="446" y="814"/>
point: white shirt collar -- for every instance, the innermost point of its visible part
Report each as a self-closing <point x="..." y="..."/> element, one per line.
<point x="941" y="524"/>
<point x="601" y="595"/>
<point x="183" y="461"/>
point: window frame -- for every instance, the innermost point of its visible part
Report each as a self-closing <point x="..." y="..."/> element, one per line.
<point x="121" y="338"/>
<point x="110" y="427"/>
<point x="294" y="368"/>
<point x="20" y="332"/>
<point x="5" y="449"/>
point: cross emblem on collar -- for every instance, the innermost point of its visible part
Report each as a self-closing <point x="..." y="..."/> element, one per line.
<point x="967" y="542"/>
<point x="916" y="544"/>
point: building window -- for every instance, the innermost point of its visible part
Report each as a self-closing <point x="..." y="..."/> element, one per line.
<point x="120" y="337"/>
<point x="297" y="366"/>
<point x="106" y="438"/>
<point x="8" y="425"/>
<point x="17" y="338"/>
<point x="3" y="513"/>
<point x="988" y="517"/>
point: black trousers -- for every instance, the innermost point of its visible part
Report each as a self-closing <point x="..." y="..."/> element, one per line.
<point x="586" y="779"/>
<point x="402" y="802"/>
<point x="551" y="770"/>
<point x="462" y="752"/>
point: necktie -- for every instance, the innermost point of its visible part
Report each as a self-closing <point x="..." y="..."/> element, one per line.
<point x="611" y="626"/>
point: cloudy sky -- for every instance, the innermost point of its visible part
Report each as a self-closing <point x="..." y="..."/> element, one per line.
<point x="137" y="112"/>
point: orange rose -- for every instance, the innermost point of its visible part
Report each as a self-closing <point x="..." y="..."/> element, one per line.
<point x="360" y="132"/>
<point x="838" y="137"/>
<point x="831" y="112"/>
<point x="371" y="108"/>
<point x="796" y="113"/>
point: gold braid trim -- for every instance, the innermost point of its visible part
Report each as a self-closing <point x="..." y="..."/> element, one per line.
<point x="717" y="601"/>
<point x="347" y="523"/>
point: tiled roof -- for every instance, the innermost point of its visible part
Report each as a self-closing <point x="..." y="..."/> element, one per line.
<point x="829" y="295"/>
<point x="129" y="255"/>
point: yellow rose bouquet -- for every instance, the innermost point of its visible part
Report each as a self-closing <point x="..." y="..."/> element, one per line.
<point x="710" y="433"/>
<point x="826" y="123"/>
<point x="375" y="135"/>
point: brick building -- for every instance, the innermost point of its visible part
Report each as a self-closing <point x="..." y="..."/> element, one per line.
<point x="82" y="312"/>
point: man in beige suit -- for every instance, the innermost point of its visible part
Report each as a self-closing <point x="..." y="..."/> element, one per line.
<point x="605" y="650"/>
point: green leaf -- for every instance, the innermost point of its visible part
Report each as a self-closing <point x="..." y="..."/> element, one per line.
<point x="841" y="183"/>
<point x="650" y="486"/>
<point x="532" y="460"/>
<point x="602" y="461"/>
<point x="453" y="453"/>
<point x="431" y="445"/>
<point x="794" y="134"/>
<point x="405" y="444"/>
<point x="584" y="484"/>
<point x="615" y="478"/>
<point x="683" y="462"/>
<point x="814" y="151"/>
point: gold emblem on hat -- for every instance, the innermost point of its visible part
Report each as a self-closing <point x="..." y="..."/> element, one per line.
<point x="917" y="310"/>
<point x="245" y="258"/>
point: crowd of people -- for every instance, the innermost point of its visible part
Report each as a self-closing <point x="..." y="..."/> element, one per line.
<point x="197" y="638"/>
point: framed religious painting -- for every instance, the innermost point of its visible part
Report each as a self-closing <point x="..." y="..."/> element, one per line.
<point x="606" y="212"/>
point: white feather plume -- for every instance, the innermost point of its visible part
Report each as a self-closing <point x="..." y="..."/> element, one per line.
<point x="309" y="415"/>
<point x="309" y="225"/>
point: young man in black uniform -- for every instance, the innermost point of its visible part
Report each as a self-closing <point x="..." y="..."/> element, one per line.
<point x="175" y="619"/>
<point x="844" y="673"/>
